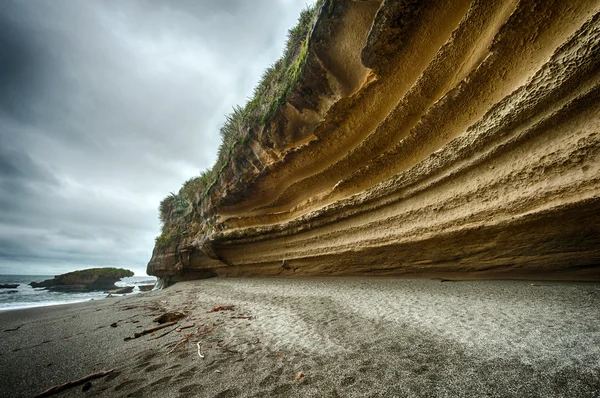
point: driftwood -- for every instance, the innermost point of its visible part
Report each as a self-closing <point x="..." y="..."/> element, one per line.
<point x="222" y="308"/>
<point x="152" y="330"/>
<point x="180" y="343"/>
<point x="191" y="325"/>
<point x="61" y="387"/>
<point x="13" y="330"/>
<point x="164" y="334"/>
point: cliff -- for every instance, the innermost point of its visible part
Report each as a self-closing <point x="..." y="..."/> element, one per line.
<point x="85" y="280"/>
<point x="422" y="138"/>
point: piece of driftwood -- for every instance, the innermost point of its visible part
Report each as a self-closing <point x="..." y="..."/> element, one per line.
<point x="13" y="330"/>
<point x="180" y="343"/>
<point x="164" y="334"/>
<point x="204" y="330"/>
<point x="83" y="380"/>
<point x="152" y="330"/>
<point x="222" y="308"/>
<point x="191" y="325"/>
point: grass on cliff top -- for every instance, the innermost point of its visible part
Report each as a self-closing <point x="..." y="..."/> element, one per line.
<point x="271" y="92"/>
<point x="106" y="272"/>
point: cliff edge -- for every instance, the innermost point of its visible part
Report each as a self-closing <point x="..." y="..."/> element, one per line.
<point x="422" y="138"/>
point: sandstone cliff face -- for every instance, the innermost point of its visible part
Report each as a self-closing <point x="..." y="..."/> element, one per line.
<point x="421" y="138"/>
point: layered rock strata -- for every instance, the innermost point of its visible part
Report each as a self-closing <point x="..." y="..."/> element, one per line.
<point x="423" y="138"/>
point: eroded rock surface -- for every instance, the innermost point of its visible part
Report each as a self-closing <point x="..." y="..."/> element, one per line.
<point x="86" y="280"/>
<point x="432" y="138"/>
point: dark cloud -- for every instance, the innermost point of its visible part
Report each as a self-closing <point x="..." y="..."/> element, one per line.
<point x="20" y="67"/>
<point x="106" y="106"/>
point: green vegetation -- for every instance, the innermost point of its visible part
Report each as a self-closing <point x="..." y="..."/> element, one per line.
<point x="177" y="210"/>
<point x="106" y="272"/>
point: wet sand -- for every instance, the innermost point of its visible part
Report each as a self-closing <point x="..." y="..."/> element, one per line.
<point x="347" y="337"/>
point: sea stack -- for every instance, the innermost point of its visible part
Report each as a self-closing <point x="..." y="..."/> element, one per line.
<point x="90" y="279"/>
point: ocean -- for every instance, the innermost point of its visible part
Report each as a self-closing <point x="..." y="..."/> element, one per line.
<point x="24" y="296"/>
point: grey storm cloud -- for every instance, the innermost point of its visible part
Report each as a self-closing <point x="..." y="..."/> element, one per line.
<point x="106" y="107"/>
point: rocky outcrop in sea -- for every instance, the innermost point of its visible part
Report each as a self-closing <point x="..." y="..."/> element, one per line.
<point x="85" y="280"/>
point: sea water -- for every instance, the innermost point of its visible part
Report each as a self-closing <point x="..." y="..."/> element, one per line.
<point x="24" y="296"/>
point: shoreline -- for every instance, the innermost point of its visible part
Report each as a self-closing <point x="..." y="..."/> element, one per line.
<point x="350" y="337"/>
<point x="24" y="296"/>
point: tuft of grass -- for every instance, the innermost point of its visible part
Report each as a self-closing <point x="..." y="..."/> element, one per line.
<point x="271" y="92"/>
<point x="278" y="80"/>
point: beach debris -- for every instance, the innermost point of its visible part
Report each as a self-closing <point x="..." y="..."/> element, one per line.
<point x="204" y="330"/>
<point x="185" y="340"/>
<point x="13" y="329"/>
<point x="222" y="308"/>
<point x="191" y="325"/>
<point x="199" y="353"/>
<point x="113" y="325"/>
<point x="164" y="334"/>
<point x="74" y="383"/>
<point x="151" y="330"/>
<point x="257" y="341"/>
<point x="169" y="317"/>
<point x="299" y="376"/>
<point x="242" y="317"/>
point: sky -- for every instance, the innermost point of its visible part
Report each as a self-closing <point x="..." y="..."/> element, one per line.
<point x="106" y="106"/>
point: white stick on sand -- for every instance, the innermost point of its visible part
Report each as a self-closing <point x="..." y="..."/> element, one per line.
<point x="199" y="353"/>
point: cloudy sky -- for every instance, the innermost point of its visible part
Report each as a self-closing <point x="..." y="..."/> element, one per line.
<point x="105" y="107"/>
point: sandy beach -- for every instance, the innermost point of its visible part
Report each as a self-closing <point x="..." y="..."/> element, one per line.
<point x="316" y="338"/>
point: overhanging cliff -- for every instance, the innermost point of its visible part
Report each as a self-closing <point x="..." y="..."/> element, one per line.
<point x="408" y="137"/>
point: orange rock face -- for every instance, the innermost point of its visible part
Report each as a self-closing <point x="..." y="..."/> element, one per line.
<point x="435" y="138"/>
